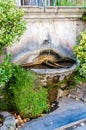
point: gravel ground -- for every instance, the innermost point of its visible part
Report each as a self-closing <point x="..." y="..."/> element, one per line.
<point x="79" y="93"/>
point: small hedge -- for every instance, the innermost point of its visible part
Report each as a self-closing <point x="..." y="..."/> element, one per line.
<point x="80" y="52"/>
<point x="25" y="95"/>
<point x="6" y="70"/>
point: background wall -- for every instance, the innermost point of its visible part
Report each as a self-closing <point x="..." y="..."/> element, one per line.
<point x="55" y="28"/>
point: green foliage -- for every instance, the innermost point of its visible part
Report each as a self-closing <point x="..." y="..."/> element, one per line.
<point x="70" y="3"/>
<point x="84" y="17"/>
<point x="12" y="24"/>
<point x="22" y="92"/>
<point x="65" y="3"/>
<point x="25" y="95"/>
<point x="3" y="105"/>
<point x="6" y="70"/>
<point x="80" y="52"/>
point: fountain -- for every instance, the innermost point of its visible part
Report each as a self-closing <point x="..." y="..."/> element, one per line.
<point x="51" y="68"/>
<point x="52" y="63"/>
<point x="47" y="48"/>
<point x="47" y="45"/>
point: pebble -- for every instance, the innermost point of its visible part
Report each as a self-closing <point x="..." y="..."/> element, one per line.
<point x="82" y="124"/>
<point x="74" y="126"/>
<point x="77" y="99"/>
<point x="78" y="90"/>
<point x="51" y="123"/>
<point x="79" y="93"/>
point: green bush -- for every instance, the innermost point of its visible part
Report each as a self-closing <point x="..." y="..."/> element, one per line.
<point x="25" y="95"/>
<point x="6" y="70"/>
<point x="70" y="3"/>
<point x="65" y="3"/>
<point x="12" y="24"/>
<point x="12" y="27"/>
<point x="80" y="52"/>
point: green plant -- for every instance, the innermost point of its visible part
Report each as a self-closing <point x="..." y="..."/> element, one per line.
<point x="80" y="52"/>
<point x="84" y="17"/>
<point x="6" y="70"/>
<point x="70" y="3"/>
<point x="65" y="3"/>
<point x="12" y="24"/>
<point x="3" y="105"/>
<point x="25" y="95"/>
<point x="12" y="27"/>
<point x="1" y="119"/>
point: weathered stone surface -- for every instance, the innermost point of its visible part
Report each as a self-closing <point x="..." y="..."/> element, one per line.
<point x="9" y="123"/>
<point x="59" y="26"/>
<point x="79" y="92"/>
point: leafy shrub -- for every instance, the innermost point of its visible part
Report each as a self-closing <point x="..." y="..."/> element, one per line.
<point x="11" y="23"/>
<point x="25" y="95"/>
<point x="80" y="52"/>
<point x="70" y="3"/>
<point x="22" y="94"/>
<point x="6" y="70"/>
<point x="65" y="3"/>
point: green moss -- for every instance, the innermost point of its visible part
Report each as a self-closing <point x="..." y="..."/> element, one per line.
<point x="25" y="95"/>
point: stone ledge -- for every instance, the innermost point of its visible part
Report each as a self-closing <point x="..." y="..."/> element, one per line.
<point x="33" y="9"/>
<point x="34" y="13"/>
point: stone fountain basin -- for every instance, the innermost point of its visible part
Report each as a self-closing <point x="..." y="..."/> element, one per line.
<point x="46" y="61"/>
<point x="59" y="72"/>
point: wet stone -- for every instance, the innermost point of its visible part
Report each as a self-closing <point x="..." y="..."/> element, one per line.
<point x="78" y="90"/>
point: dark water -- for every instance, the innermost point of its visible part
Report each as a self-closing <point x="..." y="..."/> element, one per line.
<point x="50" y="65"/>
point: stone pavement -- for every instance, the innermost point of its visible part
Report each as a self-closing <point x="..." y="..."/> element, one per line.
<point x="69" y="111"/>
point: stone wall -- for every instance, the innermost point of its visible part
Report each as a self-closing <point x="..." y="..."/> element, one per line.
<point x="55" y="28"/>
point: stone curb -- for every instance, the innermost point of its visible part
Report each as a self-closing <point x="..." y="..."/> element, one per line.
<point x="9" y="123"/>
<point x="70" y="125"/>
